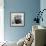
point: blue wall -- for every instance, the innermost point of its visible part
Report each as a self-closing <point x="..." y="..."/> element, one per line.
<point x="29" y="7"/>
<point x="43" y="6"/>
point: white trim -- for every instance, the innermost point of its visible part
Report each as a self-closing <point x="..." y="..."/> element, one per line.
<point x="1" y="20"/>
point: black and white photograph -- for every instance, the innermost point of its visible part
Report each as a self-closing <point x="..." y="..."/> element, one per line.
<point x="17" y="19"/>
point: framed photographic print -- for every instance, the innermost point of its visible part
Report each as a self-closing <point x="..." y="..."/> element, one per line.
<point x="17" y="19"/>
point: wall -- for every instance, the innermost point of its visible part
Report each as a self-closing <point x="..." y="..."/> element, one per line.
<point x="1" y="21"/>
<point x="29" y="7"/>
<point x="43" y="6"/>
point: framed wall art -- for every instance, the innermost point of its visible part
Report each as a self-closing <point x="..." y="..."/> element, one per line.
<point x="17" y="19"/>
